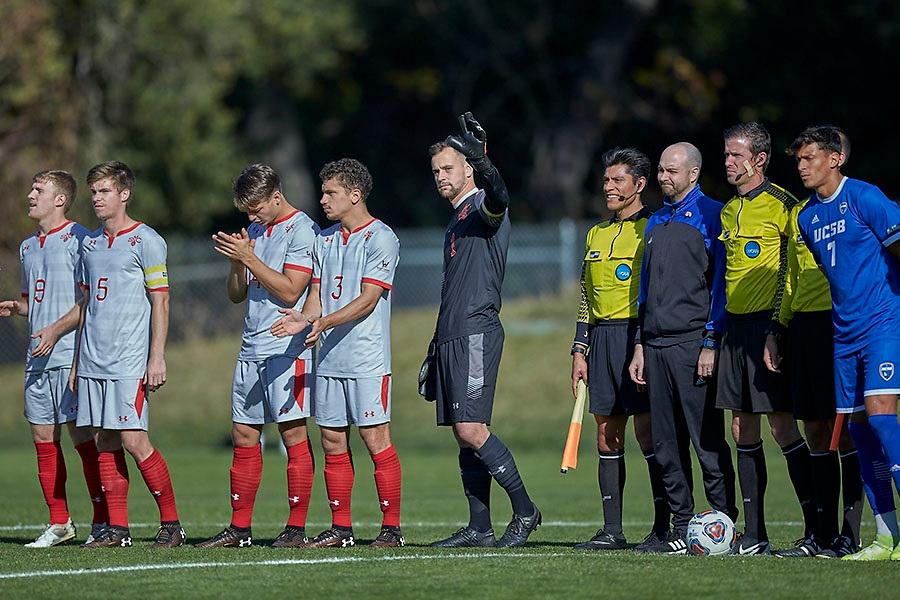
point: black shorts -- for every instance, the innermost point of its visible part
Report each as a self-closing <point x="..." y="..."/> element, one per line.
<point x="809" y="362"/>
<point x="467" y="377"/>
<point x="744" y="382"/>
<point x="611" y="388"/>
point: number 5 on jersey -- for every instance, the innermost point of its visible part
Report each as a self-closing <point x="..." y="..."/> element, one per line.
<point x="102" y="289"/>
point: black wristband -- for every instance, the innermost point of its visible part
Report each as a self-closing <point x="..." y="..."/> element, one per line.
<point x="582" y="334"/>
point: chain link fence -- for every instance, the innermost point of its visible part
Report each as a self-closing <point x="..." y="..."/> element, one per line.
<point x="542" y="260"/>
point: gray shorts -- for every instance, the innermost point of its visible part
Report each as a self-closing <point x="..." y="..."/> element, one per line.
<point x="48" y="399"/>
<point x="274" y="390"/>
<point x="360" y="401"/>
<point x="113" y="403"/>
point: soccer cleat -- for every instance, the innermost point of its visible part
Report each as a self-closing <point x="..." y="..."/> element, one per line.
<point x="111" y="537"/>
<point x="468" y="538"/>
<point x="603" y="540"/>
<point x="841" y="546"/>
<point x="652" y="538"/>
<point x="744" y="546"/>
<point x="519" y="529"/>
<point x="389" y="537"/>
<point x="291" y="537"/>
<point x="230" y="537"/>
<point x="54" y="535"/>
<point x="881" y="549"/>
<point x="803" y="548"/>
<point x="170" y="535"/>
<point x="673" y="543"/>
<point x="335" y="537"/>
<point x="96" y="530"/>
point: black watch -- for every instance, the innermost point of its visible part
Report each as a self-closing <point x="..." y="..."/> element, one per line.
<point x="578" y="349"/>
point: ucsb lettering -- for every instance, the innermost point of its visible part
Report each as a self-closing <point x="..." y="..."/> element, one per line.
<point x="829" y="231"/>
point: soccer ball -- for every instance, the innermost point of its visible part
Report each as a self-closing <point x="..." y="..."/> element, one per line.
<point x="710" y="533"/>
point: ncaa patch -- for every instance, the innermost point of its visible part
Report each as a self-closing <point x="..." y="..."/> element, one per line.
<point x="623" y="272"/>
<point x="842" y="207"/>
<point x="886" y="370"/>
<point x="752" y="249"/>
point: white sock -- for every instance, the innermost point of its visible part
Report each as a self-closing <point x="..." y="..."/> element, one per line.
<point x="886" y="524"/>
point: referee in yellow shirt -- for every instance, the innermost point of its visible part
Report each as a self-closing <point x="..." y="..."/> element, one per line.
<point x="604" y="343"/>
<point x="755" y="234"/>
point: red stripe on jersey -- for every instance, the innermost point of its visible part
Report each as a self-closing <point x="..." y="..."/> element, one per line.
<point x="281" y="220"/>
<point x="298" y="268"/>
<point x="160" y="289"/>
<point x="381" y="284"/>
<point x="385" y="391"/>
<point x="139" y="399"/>
<point x="42" y="237"/>
<point x="112" y="238"/>
<point x="316" y="280"/>
<point x="299" y="381"/>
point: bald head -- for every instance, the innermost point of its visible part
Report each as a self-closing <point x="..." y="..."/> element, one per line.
<point x="679" y="170"/>
<point x="685" y="152"/>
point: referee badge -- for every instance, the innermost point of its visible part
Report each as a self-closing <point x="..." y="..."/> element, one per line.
<point x="886" y="370"/>
<point x="623" y="272"/>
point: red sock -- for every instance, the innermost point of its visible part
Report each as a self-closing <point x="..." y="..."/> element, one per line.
<point x="52" y="475"/>
<point x="156" y="476"/>
<point x="246" y="473"/>
<point x="387" y="482"/>
<point x="339" y="485"/>
<point x="301" y="468"/>
<point x="91" y="466"/>
<point x="114" y="478"/>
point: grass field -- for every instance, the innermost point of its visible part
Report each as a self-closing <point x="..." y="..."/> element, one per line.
<point x="190" y="423"/>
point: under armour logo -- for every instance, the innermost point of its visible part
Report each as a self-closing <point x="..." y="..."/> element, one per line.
<point x="103" y="488"/>
<point x="385" y="503"/>
<point x="347" y="543"/>
<point x="235" y="497"/>
<point x="895" y="468"/>
<point x="294" y="499"/>
<point x="157" y="492"/>
<point x="334" y="502"/>
<point x="501" y="469"/>
<point x="245" y="542"/>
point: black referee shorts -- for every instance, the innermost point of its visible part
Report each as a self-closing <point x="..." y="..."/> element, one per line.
<point x="611" y="389"/>
<point x="809" y="359"/>
<point x="467" y="377"/>
<point x="744" y="382"/>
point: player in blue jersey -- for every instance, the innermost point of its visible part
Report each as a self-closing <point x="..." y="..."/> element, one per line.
<point x="50" y="260"/>
<point x="853" y="232"/>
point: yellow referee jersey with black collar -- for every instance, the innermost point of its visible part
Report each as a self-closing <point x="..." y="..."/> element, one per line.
<point x="755" y="233"/>
<point x="611" y="270"/>
<point x="806" y="289"/>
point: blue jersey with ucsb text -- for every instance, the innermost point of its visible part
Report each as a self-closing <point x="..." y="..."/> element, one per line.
<point x="848" y="234"/>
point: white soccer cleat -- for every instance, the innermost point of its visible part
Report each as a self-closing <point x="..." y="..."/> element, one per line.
<point x="54" y="535"/>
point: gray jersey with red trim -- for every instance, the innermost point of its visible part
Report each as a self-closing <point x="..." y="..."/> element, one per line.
<point x="284" y="245"/>
<point x="342" y="263"/>
<point x="119" y="273"/>
<point x="50" y="276"/>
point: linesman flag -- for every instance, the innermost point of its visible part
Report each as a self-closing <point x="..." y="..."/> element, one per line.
<point x="570" y="453"/>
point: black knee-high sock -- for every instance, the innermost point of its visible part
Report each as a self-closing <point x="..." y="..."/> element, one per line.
<point x="611" y="475"/>
<point x="826" y="479"/>
<point x="751" y="462"/>
<point x="661" y="512"/>
<point x="852" y="492"/>
<point x="502" y="467"/>
<point x="800" y="472"/>
<point x="477" y="485"/>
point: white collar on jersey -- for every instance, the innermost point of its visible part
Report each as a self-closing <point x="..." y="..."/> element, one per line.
<point x="836" y="192"/>
<point x="463" y="199"/>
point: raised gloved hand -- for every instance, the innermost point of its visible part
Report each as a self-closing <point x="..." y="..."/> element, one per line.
<point x="471" y="142"/>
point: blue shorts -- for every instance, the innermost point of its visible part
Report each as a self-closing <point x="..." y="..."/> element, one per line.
<point x="870" y="371"/>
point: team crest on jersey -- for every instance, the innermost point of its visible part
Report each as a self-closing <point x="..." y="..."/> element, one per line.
<point x="752" y="249"/>
<point x="134" y="240"/>
<point x="93" y="242"/>
<point x="66" y="236"/>
<point x="384" y="265"/>
<point x="842" y="207"/>
<point x="886" y="370"/>
<point x="368" y="235"/>
<point x="623" y="272"/>
<point x="688" y="214"/>
<point x="594" y="254"/>
<point x="327" y="239"/>
<point x="26" y="247"/>
<point x="464" y="212"/>
<point x="288" y="228"/>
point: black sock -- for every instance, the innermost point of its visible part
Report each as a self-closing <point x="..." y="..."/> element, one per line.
<point x="751" y="462"/>
<point x="477" y="485"/>
<point x="502" y="467"/>
<point x="661" y="513"/>
<point x="852" y="491"/>
<point x="611" y="475"/>
<point x="800" y="472"/>
<point x="826" y="478"/>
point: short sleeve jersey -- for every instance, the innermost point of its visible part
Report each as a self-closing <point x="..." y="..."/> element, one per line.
<point x="119" y="272"/>
<point x="50" y="276"/>
<point x="755" y="235"/>
<point x="342" y="262"/>
<point x="848" y="233"/>
<point x="807" y="288"/>
<point x="283" y="245"/>
<point x="475" y="247"/>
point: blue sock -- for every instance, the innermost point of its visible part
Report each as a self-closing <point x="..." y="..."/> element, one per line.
<point x="888" y="431"/>
<point x="873" y="467"/>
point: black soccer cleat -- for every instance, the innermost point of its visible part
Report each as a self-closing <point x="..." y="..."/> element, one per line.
<point x="805" y="547"/>
<point x="468" y="538"/>
<point x="603" y="540"/>
<point x="335" y="537"/>
<point x="111" y="537"/>
<point x="389" y="537"/>
<point x="651" y="539"/>
<point x="291" y="537"/>
<point x="672" y="543"/>
<point x="230" y="537"/>
<point x="841" y="546"/>
<point x="170" y="535"/>
<point x="744" y="546"/>
<point x="519" y="529"/>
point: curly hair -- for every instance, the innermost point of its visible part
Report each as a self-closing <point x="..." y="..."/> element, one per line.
<point x="350" y="174"/>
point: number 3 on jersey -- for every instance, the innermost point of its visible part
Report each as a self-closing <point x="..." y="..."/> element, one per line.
<point x="339" y="288"/>
<point x="831" y="248"/>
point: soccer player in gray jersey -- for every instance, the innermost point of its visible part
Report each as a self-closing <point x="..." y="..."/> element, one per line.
<point x="121" y="352"/>
<point x="469" y="337"/>
<point x="271" y="265"/>
<point x="49" y="295"/>
<point x="349" y="309"/>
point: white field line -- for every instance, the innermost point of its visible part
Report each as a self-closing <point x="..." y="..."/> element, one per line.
<point x="267" y="563"/>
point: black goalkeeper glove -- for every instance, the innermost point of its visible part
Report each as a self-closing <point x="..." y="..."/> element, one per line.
<point x="471" y="142"/>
